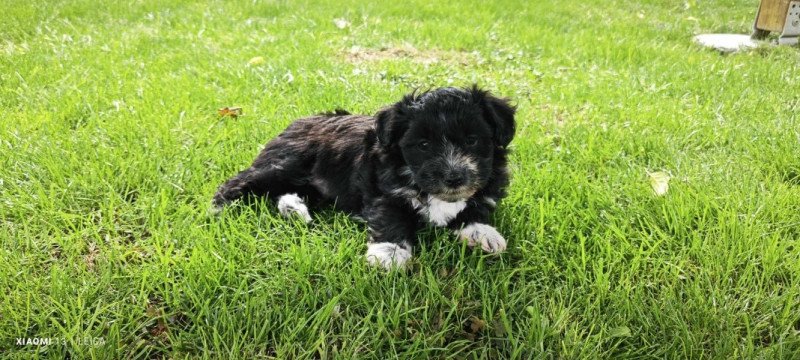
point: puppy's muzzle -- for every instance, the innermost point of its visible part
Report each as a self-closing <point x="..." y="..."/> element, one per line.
<point x="455" y="183"/>
<point x="455" y="178"/>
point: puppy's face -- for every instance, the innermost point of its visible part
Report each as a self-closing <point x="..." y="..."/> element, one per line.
<point x="447" y="138"/>
<point x="448" y="150"/>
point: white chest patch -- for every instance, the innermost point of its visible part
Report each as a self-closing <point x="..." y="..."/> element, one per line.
<point x="438" y="212"/>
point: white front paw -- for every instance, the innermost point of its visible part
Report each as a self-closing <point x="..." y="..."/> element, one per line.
<point x="485" y="235"/>
<point x="388" y="255"/>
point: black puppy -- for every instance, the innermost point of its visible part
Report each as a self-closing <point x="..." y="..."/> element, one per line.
<point x="437" y="157"/>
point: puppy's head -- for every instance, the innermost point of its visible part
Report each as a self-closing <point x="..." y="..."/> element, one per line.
<point x="447" y="138"/>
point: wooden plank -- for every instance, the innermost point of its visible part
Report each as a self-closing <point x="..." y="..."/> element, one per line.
<point x="772" y="15"/>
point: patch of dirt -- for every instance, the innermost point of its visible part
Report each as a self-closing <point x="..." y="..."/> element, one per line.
<point x="357" y="54"/>
<point x="91" y="256"/>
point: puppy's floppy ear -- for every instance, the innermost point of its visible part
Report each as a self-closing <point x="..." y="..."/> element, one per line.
<point x="383" y="126"/>
<point x="390" y="124"/>
<point x="499" y="113"/>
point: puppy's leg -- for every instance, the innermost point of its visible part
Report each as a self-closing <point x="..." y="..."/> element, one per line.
<point x="471" y="226"/>
<point x="392" y="233"/>
<point x="252" y="181"/>
<point x="277" y="171"/>
<point x="266" y="181"/>
<point x="236" y="187"/>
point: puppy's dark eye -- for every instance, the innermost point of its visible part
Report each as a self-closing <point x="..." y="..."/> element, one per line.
<point x="423" y="145"/>
<point x="472" y="140"/>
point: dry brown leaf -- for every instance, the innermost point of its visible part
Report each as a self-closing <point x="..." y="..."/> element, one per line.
<point x="476" y="324"/>
<point x="232" y="112"/>
<point x="160" y="328"/>
<point x="153" y="310"/>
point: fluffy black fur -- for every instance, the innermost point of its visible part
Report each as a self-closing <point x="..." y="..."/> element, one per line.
<point x="439" y="156"/>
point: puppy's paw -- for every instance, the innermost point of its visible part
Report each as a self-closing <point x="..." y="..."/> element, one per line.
<point x="487" y="236"/>
<point x="388" y="255"/>
<point x="290" y="205"/>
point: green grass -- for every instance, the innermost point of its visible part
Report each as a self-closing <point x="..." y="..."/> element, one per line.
<point x="111" y="147"/>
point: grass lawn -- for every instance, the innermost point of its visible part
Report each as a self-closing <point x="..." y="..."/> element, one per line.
<point x="111" y="148"/>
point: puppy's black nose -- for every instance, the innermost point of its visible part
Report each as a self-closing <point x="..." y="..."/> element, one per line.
<point x="454" y="179"/>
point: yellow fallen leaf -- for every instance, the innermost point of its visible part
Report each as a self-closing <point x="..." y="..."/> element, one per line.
<point x="659" y="181"/>
<point x="258" y="60"/>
